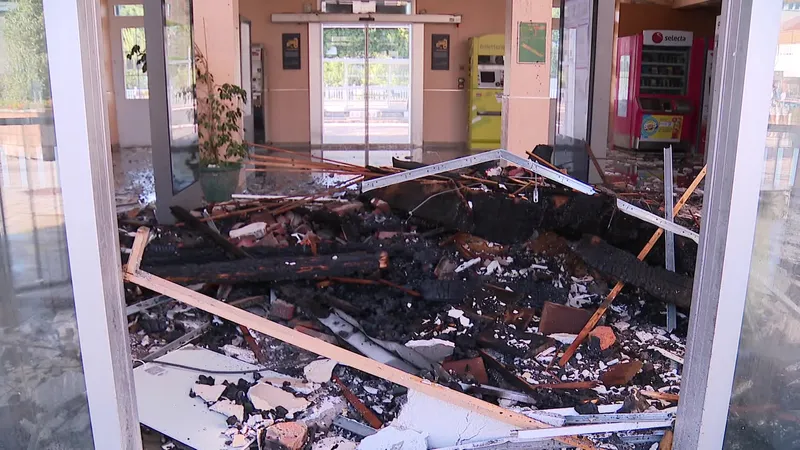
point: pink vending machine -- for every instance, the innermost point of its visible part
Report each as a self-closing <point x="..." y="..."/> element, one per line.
<point x="659" y="90"/>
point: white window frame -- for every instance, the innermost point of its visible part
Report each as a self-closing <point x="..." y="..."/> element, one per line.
<point x="75" y="56"/>
<point x="744" y="70"/>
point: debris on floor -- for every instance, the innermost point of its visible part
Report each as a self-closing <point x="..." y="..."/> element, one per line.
<point x="478" y="279"/>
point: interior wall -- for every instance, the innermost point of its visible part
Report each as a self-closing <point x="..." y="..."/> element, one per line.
<point x="216" y="34"/>
<point x="635" y="18"/>
<point x="287" y="95"/>
<point x="444" y="106"/>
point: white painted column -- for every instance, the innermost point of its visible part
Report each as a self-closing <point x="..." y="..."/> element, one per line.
<point x="526" y="97"/>
<point x="83" y="147"/>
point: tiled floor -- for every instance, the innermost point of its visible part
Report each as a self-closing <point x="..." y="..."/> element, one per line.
<point x="133" y="170"/>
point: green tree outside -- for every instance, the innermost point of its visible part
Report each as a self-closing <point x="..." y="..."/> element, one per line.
<point x="349" y="43"/>
<point x="27" y="80"/>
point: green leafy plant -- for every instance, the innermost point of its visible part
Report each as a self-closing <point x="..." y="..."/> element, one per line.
<point x="140" y="55"/>
<point x="219" y="117"/>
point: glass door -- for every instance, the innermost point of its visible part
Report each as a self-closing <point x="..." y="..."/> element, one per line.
<point x="366" y="85"/>
<point x="344" y="83"/>
<point x="389" y="85"/>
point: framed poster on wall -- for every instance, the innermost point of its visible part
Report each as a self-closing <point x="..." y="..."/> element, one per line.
<point x="291" y="51"/>
<point x="532" y="45"/>
<point x="440" y="52"/>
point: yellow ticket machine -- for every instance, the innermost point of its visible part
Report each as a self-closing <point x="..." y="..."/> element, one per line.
<point x="486" y="78"/>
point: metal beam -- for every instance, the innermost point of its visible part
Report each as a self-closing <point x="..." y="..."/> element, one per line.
<point x="467" y="161"/>
<point x="361" y="18"/>
<point x="660" y="222"/>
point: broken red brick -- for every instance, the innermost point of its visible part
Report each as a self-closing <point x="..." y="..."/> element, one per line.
<point x="348" y="208"/>
<point x="282" y="309"/>
<point x="562" y="319"/>
<point x="269" y="241"/>
<point x="473" y="367"/>
<point x="621" y="374"/>
<point x="263" y="216"/>
<point x="387" y="234"/>
<point x="290" y="434"/>
<point x="605" y="336"/>
<point x="314" y="333"/>
<point x="381" y="205"/>
<point x="520" y="318"/>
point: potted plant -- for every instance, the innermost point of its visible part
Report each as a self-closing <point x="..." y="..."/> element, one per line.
<point x="219" y="122"/>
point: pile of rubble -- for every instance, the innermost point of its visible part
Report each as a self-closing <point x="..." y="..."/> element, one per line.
<point x="456" y="278"/>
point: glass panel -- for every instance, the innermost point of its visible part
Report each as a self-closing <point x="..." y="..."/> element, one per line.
<point x="664" y="70"/>
<point x="129" y="10"/>
<point x="765" y="399"/>
<point x="574" y="93"/>
<point x="133" y="45"/>
<point x="42" y="391"/>
<point x="389" y="87"/>
<point x="179" y="51"/>
<point x="343" y="85"/>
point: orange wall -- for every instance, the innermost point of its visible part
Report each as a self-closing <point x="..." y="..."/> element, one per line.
<point x="633" y="19"/>
<point x="216" y="34"/>
<point x="445" y="112"/>
<point x="287" y="95"/>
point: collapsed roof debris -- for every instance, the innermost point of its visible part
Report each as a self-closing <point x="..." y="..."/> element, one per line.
<point x="466" y="287"/>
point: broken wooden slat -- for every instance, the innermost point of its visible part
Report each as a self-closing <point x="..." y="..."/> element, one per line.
<point x="137" y="250"/>
<point x="666" y="441"/>
<point x="654" y="395"/>
<point x="187" y="218"/>
<point x="283" y="268"/>
<point x="573" y="348"/>
<point x="362" y="409"/>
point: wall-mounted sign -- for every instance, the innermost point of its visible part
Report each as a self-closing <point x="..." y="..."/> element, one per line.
<point x="668" y="38"/>
<point x="291" y="51"/>
<point x="440" y="52"/>
<point x="532" y="42"/>
<point x="661" y="128"/>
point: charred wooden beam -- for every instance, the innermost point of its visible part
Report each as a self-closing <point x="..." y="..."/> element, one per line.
<point x="664" y="285"/>
<point x="271" y="269"/>
<point x="186" y="217"/>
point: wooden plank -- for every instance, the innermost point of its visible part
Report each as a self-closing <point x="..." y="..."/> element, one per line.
<point x="573" y="348"/>
<point x="139" y="243"/>
<point x="666" y="441"/>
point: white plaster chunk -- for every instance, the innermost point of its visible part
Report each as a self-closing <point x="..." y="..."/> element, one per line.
<point x="395" y="439"/>
<point x="228" y="408"/>
<point x="240" y="353"/>
<point x="319" y="371"/>
<point x="208" y="393"/>
<point x="564" y="338"/>
<point x="265" y="397"/>
<point x="255" y="229"/>
<point x="443" y="422"/>
<point x="467" y="265"/>
<point x="433" y="349"/>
